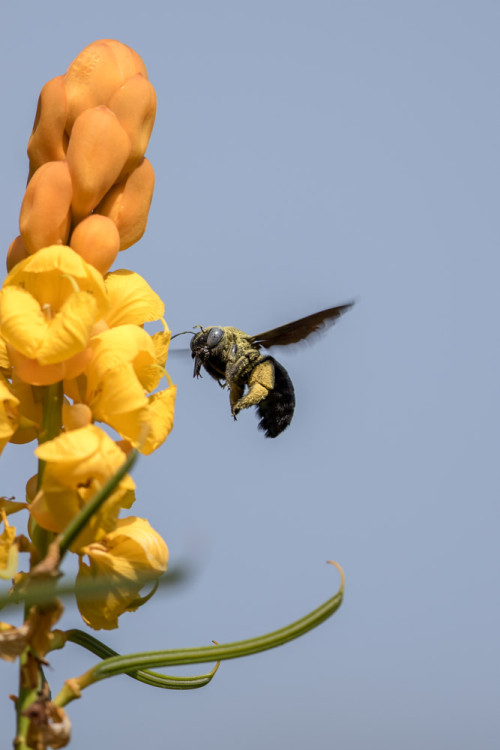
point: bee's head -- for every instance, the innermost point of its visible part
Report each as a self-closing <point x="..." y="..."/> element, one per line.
<point x="204" y="345"/>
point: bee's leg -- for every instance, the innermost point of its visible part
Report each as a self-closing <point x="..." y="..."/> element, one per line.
<point x="235" y="393"/>
<point x="260" y="382"/>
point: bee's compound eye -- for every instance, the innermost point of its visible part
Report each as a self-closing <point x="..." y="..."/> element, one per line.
<point x="214" y="336"/>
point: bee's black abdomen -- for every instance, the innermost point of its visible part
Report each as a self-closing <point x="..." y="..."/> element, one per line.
<point x="276" y="410"/>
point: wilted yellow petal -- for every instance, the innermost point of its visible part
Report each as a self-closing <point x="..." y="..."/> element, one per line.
<point x="131" y="299"/>
<point x="11" y="506"/>
<point x="49" y="725"/>
<point x="13" y="640"/>
<point x="9" y="551"/>
<point x="41" y="620"/>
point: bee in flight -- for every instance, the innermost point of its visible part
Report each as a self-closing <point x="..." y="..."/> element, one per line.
<point x="234" y="359"/>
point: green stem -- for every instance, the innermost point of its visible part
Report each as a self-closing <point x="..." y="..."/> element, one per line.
<point x="68" y="536"/>
<point x="175" y="657"/>
<point x="28" y="692"/>
<point x="27" y="696"/>
<point x="155" y="679"/>
<point x="52" y="398"/>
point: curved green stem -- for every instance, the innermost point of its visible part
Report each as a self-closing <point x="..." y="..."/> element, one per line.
<point x="155" y="679"/>
<point x="175" y="657"/>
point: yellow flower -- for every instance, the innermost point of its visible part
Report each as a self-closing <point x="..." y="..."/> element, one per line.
<point x="123" y="370"/>
<point x="9" y="413"/>
<point x="47" y="276"/>
<point x="78" y="463"/>
<point x="126" y="557"/>
<point x="49" y="305"/>
<point x="9" y="552"/>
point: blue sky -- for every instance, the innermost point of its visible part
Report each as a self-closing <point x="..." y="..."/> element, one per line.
<point x="307" y="154"/>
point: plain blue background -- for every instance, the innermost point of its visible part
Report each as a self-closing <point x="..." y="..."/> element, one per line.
<point x="307" y="153"/>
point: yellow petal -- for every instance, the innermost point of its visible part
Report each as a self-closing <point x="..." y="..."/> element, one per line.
<point x="31" y="371"/>
<point x="120" y="346"/>
<point x="161" y="342"/>
<point x="47" y="339"/>
<point x="76" y="456"/>
<point x="131" y="299"/>
<point x="119" y="393"/>
<point x="5" y="364"/>
<point x="70" y="330"/>
<point x="22" y="323"/>
<point x="147" y="428"/>
<point x="50" y="273"/>
<point x="9" y="413"/>
<point x="78" y="463"/>
<point x="126" y="556"/>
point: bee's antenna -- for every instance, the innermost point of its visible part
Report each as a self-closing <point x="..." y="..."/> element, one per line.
<point x="181" y="334"/>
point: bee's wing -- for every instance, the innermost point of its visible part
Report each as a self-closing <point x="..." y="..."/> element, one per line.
<point x="292" y="333"/>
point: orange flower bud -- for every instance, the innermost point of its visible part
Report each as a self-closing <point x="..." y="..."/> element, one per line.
<point x="16" y="252"/>
<point x="97" y="151"/>
<point x="45" y="216"/>
<point x="97" y="240"/>
<point x="96" y="73"/>
<point x="128" y="202"/>
<point x="48" y="141"/>
<point x="135" y="106"/>
<point x="76" y="416"/>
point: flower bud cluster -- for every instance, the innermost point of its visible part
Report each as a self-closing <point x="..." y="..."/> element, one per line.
<point x="90" y="185"/>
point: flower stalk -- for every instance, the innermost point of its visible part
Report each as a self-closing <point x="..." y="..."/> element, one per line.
<point x="75" y="354"/>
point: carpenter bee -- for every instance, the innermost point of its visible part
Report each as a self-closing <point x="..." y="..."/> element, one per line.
<point x="233" y="358"/>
